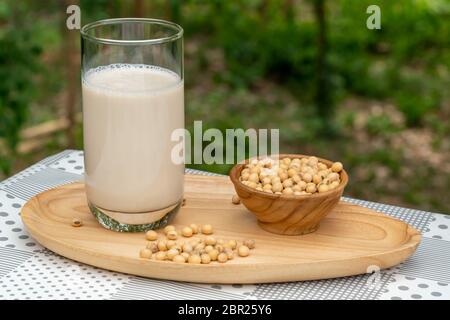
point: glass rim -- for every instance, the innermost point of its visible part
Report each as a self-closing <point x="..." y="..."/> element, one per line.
<point x="176" y="27"/>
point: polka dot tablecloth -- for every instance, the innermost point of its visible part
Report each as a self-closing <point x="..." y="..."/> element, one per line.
<point x="29" y="271"/>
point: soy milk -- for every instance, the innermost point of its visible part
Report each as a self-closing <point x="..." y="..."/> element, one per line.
<point x="129" y="113"/>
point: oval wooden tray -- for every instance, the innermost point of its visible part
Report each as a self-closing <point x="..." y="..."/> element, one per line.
<point x="348" y="241"/>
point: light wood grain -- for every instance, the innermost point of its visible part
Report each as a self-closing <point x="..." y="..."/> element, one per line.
<point x="349" y="240"/>
<point x="288" y="214"/>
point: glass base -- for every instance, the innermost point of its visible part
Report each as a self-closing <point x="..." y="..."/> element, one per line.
<point x="104" y="217"/>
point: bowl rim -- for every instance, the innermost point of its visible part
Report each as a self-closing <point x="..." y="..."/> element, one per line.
<point x="237" y="168"/>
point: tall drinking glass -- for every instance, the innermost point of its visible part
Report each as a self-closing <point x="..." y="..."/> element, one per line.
<point x="133" y="99"/>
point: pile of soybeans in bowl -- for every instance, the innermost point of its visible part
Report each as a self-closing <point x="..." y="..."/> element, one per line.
<point x="291" y="176"/>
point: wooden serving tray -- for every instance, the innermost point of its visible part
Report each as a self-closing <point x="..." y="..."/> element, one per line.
<point x="349" y="240"/>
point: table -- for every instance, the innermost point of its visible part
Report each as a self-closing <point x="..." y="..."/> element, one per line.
<point x="29" y="271"/>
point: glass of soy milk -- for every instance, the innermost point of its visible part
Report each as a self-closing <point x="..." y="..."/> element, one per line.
<point x="133" y="100"/>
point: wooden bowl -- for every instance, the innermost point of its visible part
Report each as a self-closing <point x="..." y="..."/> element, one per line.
<point x="288" y="214"/>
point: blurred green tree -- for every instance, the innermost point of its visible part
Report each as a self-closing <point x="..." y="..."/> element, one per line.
<point x="19" y="61"/>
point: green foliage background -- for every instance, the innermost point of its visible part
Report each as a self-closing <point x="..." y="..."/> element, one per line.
<point x="253" y="63"/>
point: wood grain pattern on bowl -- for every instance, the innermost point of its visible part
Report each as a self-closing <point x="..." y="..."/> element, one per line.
<point x="288" y="214"/>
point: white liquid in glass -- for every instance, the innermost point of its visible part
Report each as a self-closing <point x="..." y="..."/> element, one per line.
<point x="129" y="114"/>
